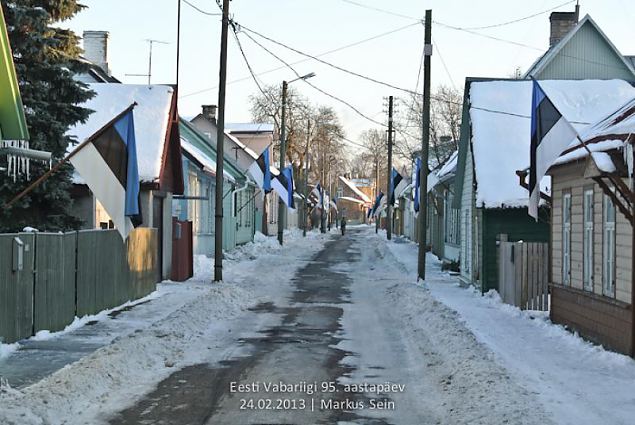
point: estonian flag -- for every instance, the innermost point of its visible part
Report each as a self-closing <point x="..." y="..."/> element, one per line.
<point x="334" y="204"/>
<point x="378" y="200"/>
<point x="550" y="136"/>
<point x="417" y="184"/>
<point x="318" y="191"/>
<point x="107" y="161"/>
<point x="398" y="185"/>
<point x="260" y="170"/>
<point x="283" y="184"/>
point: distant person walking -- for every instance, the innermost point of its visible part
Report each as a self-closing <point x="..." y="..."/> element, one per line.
<point x="343" y="225"/>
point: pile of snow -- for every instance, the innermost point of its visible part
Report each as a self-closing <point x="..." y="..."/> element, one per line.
<point x="202" y="324"/>
<point x="500" y="114"/>
<point x="595" y="388"/>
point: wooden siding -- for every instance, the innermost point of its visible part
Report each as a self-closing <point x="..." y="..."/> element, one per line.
<point x="467" y="219"/>
<point x="587" y="55"/>
<point x="570" y="178"/>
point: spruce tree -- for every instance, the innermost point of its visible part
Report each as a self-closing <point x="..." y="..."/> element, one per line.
<point x="46" y="58"/>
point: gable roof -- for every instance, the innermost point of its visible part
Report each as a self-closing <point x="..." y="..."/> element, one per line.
<point x="249" y="128"/>
<point x="198" y="147"/>
<point x="611" y="132"/>
<point x="545" y="60"/>
<point x="499" y="113"/>
<point x="361" y="195"/>
<point x="152" y="117"/>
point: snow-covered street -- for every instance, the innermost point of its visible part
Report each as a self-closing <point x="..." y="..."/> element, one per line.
<point x="327" y="329"/>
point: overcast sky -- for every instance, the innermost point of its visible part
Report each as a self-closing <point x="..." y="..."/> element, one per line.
<point x="318" y="26"/>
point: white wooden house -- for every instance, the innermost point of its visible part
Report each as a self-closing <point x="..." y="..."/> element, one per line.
<point x="591" y="232"/>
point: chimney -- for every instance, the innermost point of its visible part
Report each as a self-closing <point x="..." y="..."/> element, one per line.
<point x="561" y="24"/>
<point x="209" y="112"/>
<point x="96" y="48"/>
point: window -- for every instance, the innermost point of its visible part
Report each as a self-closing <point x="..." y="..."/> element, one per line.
<point x="452" y="223"/>
<point x="566" y="238"/>
<point x="587" y="238"/>
<point x="608" y="248"/>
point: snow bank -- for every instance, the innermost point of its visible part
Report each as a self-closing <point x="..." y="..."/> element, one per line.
<point x="596" y="387"/>
<point x="500" y="141"/>
<point x="201" y="325"/>
<point x="7" y="349"/>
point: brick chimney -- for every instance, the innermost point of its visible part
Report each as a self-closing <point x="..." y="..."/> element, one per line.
<point x="561" y="24"/>
<point x="96" y="48"/>
<point x="209" y="112"/>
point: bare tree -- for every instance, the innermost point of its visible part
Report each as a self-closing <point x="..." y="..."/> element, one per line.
<point x="446" y="110"/>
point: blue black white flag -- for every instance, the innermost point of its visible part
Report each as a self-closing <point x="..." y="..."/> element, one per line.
<point x="318" y="192"/>
<point x="377" y="205"/>
<point x="398" y="185"/>
<point x="107" y="161"/>
<point x="260" y="170"/>
<point x="417" y="184"/>
<point x="283" y="184"/>
<point x="551" y="134"/>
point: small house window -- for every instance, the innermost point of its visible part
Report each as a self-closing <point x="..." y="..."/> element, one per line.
<point x="588" y="240"/>
<point x="608" y="248"/>
<point x="566" y="238"/>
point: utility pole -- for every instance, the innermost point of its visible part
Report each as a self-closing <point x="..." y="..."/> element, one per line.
<point x="376" y="190"/>
<point x="425" y="141"/>
<point x="220" y="142"/>
<point x="389" y="178"/>
<point x="322" y="215"/>
<point x="306" y="177"/>
<point x="283" y="153"/>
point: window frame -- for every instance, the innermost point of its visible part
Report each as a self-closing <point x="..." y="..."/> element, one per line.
<point x="566" y="238"/>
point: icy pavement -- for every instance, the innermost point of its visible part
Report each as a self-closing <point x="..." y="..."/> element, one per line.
<point x="576" y="382"/>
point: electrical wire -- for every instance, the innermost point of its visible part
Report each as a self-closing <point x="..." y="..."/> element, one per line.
<point x="354" y="109"/>
<point x="376" y="9"/>
<point x="520" y="19"/>
<point x="198" y="9"/>
<point x="338" y="49"/>
<point x="339" y="68"/>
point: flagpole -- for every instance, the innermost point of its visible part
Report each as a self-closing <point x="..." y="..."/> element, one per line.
<point x="59" y="165"/>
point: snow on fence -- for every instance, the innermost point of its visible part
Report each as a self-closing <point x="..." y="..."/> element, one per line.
<point x="523" y="274"/>
<point x="46" y="279"/>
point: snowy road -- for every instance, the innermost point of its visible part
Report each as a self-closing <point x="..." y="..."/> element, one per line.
<point x="326" y="329"/>
<point x="350" y="352"/>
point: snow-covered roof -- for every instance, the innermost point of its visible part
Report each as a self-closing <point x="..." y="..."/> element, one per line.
<point x="449" y="167"/>
<point x="500" y="114"/>
<point x="355" y="190"/>
<point x="612" y="132"/>
<point x="208" y="163"/>
<point x="249" y="127"/>
<point x="348" y="198"/>
<point x="151" y="117"/>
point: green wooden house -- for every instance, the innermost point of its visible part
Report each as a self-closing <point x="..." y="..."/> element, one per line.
<point x="198" y="202"/>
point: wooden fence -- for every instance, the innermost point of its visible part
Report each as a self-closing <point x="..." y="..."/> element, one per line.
<point x="46" y="279"/>
<point x="523" y="274"/>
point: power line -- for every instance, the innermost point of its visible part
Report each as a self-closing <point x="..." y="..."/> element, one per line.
<point x="376" y="9"/>
<point x="519" y="19"/>
<point x="198" y="9"/>
<point x="447" y="71"/>
<point x="251" y="71"/>
<point x="357" y="111"/>
<point x="339" y="68"/>
<point x="338" y="49"/>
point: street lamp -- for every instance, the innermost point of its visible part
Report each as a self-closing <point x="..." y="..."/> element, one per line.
<point x="283" y="148"/>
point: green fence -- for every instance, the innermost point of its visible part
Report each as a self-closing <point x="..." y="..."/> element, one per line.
<point x="47" y="279"/>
